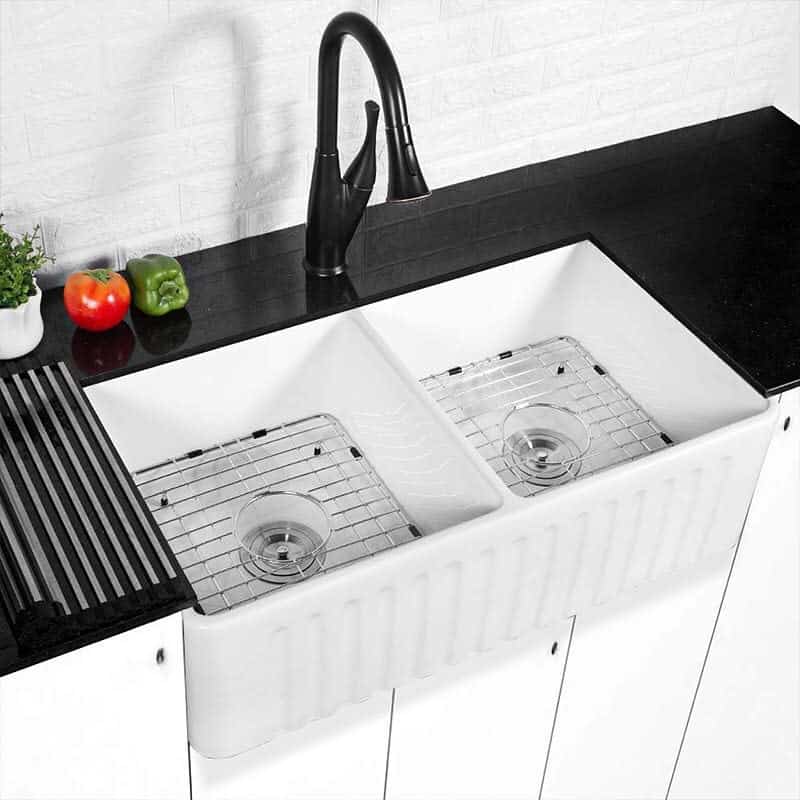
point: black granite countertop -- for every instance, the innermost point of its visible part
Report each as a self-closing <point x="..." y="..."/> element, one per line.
<point x="705" y="218"/>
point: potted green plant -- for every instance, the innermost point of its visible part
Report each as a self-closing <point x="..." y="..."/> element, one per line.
<point x="21" y="325"/>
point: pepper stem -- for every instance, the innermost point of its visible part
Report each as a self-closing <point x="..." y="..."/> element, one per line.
<point x="167" y="289"/>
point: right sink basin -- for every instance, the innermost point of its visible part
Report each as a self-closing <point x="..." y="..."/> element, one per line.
<point x="532" y="359"/>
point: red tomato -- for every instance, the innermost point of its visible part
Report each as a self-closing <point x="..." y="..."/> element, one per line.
<point x="96" y="299"/>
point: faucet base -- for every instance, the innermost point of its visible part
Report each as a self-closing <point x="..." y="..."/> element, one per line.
<point x="323" y="272"/>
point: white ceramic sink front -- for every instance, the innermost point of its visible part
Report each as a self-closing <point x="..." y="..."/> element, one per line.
<point x="490" y="565"/>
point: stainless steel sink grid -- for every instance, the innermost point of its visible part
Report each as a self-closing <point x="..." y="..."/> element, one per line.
<point x="195" y="498"/>
<point x="558" y="371"/>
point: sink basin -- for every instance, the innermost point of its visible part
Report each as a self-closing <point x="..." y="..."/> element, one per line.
<point x="251" y="418"/>
<point x="486" y="562"/>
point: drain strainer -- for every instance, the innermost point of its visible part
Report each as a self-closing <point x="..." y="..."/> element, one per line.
<point x="282" y="534"/>
<point x="543" y="457"/>
<point x="544" y="443"/>
<point x="283" y="552"/>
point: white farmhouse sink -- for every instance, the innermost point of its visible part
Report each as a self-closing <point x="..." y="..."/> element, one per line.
<point x="490" y="564"/>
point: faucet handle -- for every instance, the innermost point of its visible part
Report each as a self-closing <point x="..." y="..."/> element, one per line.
<point x="373" y="111"/>
<point x="361" y="173"/>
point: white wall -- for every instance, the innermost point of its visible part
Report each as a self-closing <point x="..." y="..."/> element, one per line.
<point x="179" y="124"/>
<point x="787" y="98"/>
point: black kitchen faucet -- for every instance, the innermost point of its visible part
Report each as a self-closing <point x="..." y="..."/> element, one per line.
<point x="336" y="204"/>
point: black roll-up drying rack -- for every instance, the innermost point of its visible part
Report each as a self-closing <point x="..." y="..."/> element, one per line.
<point x="78" y="546"/>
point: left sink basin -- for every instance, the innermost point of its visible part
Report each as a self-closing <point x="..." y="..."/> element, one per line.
<point x="321" y="408"/>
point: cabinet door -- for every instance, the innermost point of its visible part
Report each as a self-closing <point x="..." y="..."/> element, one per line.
<point x="106" y="721"/>
<point x="480" y="729"/>
<point x="342" y="757"/>
<point x="631" y="675"/>
<point x="743" y="739"/>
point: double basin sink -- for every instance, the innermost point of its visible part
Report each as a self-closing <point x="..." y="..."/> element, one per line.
<point x="394" y="415"/>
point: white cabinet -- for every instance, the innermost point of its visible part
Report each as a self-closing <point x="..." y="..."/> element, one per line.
<point x="743" y="740"/>
<point x="105" y="722"/>
<point x="630" y="678"/>
<point x="480" y="729"/>
<point x="342" y="757"/>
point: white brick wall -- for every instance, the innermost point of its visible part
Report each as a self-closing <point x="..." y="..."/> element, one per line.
<point x="179" y="124"/>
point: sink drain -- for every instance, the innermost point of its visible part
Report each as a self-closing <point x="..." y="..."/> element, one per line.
<point x="282" y="536"/>
<point x="282" y="552"/>
<point x="544" y="443"/>
<point x="544" y="457"/>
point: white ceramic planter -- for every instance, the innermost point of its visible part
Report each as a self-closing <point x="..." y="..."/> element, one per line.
<point x="21" y="328"/>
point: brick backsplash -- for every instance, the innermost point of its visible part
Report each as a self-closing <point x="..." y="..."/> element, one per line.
<point x="174" y="125"/>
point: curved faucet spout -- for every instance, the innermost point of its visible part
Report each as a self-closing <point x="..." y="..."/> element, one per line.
<point x="383" y="64"/>
<point x="336" y="204"/>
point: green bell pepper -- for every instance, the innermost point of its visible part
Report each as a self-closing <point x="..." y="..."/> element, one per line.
<point x="159" y="285"/>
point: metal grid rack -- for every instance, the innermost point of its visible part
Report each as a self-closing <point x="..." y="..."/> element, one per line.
<point x="195" y="498"/>
<point x="561" y="371"/>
